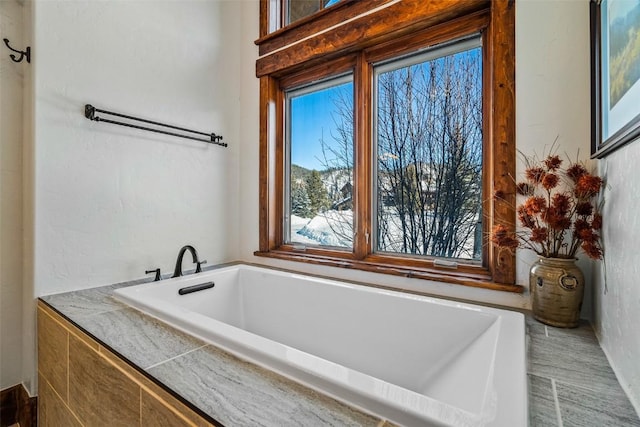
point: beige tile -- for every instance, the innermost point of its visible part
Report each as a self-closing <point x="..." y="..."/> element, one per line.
<point x="157" y="413"/>
<point x="115" y="360"/>
<point x="98" y="391"/>
<point x="152" y="390"/>
<point x="51" y="409"/>
<point x="51" y="312"/>
<point x="53" y="352"/>
<point x="155" y="391"/>
<point x="68" y="325"/>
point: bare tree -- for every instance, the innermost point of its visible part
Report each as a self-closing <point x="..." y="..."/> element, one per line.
<point x="337" y="159"/>
<point x="429" y="134"/>
<point x="429" y="148"/>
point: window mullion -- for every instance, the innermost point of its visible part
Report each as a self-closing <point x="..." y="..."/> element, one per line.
<point x="363" y="158"/>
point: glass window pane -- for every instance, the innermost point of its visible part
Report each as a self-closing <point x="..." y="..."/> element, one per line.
<point x="298" y="9"/>
<point x="320" y="168"/>
<point x="428" y="127"/>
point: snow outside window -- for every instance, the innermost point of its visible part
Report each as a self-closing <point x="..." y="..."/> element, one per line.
<point x="319" y="170"/>
<point x="428" y="131"/>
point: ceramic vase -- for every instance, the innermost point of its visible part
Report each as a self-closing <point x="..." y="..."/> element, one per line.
<point x="557" y="289"/>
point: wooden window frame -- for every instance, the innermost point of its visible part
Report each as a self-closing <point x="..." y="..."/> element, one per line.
<point x="317" y="47"/>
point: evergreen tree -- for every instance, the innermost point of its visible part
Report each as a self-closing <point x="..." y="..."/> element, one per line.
<point x="317" y="193"/>
<point x="300" y="203"/>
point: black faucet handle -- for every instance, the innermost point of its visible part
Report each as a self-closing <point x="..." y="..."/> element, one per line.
<point x="199" y="266"/>
<point x="157" y="271"/>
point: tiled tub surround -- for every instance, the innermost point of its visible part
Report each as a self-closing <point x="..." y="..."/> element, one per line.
<point x="82" y="382"/>
<point x="577" y="385"/>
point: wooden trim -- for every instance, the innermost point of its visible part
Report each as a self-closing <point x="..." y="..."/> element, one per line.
<point x="323" y="71"/>
<point x="363" y="155"/>
<point x="268" y="210"/>
<point x="318" y="251"/>
<point x="409" y="272"/>
<point x="470" y="268"/>
<point x="487" y="150"/>
<point x="431" y="36"/>
<point x="324" y="18"/>
<point x="394" y="21"/>
<point x="16" y="406"/>
<point x="265" y="17"/>
<point x="503" y="150"/>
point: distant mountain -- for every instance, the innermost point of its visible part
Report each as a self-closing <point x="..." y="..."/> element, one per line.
<point x="299" y="174"/>
<point x="334" y="181"/>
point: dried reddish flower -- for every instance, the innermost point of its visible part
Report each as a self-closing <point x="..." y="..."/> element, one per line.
<point x="596" y="222"/>
<point x="586" y="233"/>
<point x="553" y="162"/>
<point x="589" y="236"/>
<point x="556" y="219"/>
<point x="558" y="216"/>
<point x="535" y="205"/>
<point x="525" y="218"/>
<point x="579" y="225"/>
<point x="562" y="203"/>
<point x="592" y="250"/>
<point x="575" y="171"/>
<point x="550" y="181"/>
<point x="503" y="238"/>
<point x="535" y="174"/>
<point x="588" y="186"/>
<point x="584" y="208"/>
<point x="539" y="234"/>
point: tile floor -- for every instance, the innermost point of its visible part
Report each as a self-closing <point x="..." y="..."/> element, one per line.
<point x="571" y="382"/>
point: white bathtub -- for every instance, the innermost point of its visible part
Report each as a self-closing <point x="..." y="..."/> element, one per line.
<point x="414" y="360"/>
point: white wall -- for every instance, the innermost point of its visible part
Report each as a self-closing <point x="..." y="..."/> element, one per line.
<point x="553" y="93"/>
<point x="552" y="100"/>
<point x="110" y="201"/>
<point x="617" y="292"/>
<point x="11" y="105"/>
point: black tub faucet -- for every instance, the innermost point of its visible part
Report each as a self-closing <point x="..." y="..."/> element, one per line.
<point x="194" y="254"/>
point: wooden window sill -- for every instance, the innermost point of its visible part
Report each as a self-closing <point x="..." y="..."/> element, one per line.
<point x="438" y="275"/>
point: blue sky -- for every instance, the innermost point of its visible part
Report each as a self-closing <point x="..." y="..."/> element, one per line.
<point x="312" y="120"/>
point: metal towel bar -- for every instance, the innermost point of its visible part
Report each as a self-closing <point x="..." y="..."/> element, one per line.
<point x="90" y="113"/>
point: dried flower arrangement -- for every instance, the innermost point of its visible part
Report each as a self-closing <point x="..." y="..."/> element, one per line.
<point x="559" y="214"/>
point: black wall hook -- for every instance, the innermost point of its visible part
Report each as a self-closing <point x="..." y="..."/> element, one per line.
<point x="26" y="54"/>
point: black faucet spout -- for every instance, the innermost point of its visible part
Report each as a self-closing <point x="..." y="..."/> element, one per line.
<point x="194" y="254"/>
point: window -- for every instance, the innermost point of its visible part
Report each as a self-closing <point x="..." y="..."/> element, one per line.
<point x="428" y="138"/>
<point x="384" y="139"/>
<point x="319" y="165"/>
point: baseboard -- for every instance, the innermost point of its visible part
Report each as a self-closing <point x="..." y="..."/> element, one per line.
<point x="16" y="406"/>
